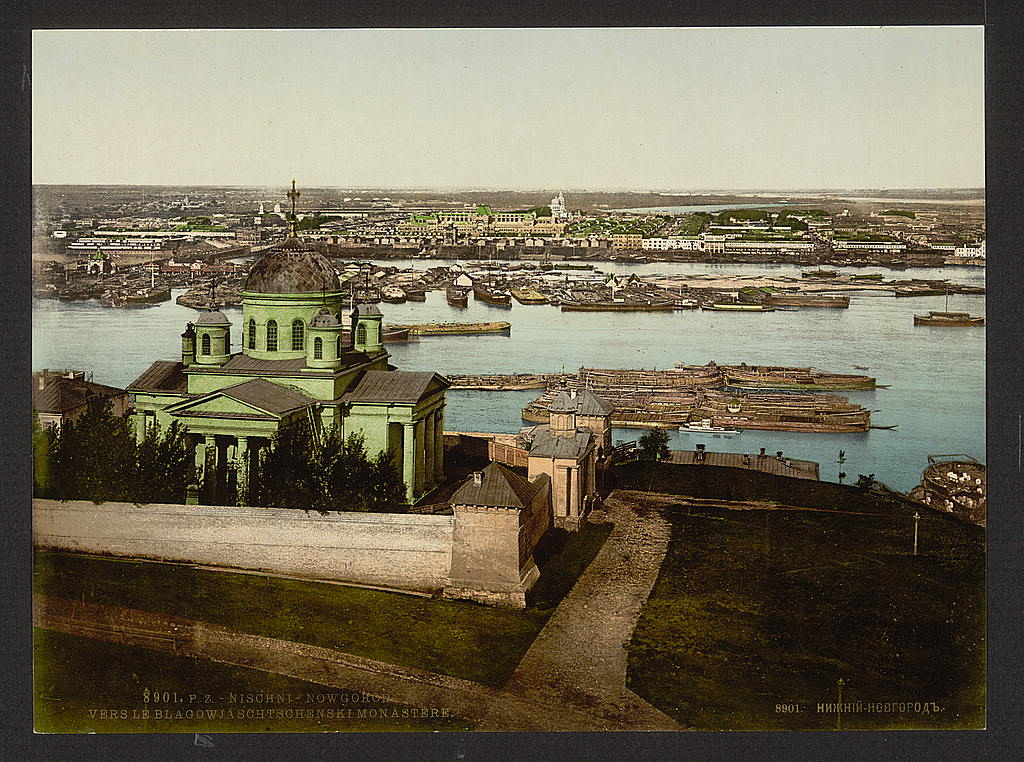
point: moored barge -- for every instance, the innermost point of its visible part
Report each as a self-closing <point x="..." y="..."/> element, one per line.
<point x="952" y="319"/>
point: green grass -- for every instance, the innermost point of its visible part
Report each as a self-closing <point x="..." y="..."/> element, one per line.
<point x="456" y="638"/>
<point x="754" y="609"/>
<point x="76" y="678"/>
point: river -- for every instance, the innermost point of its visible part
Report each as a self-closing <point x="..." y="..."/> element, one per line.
<point x="936" y="376"/>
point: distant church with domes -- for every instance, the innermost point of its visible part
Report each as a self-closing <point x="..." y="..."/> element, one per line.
<point x="296" y="360"/>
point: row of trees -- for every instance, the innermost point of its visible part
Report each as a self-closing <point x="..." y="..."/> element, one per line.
<point x="97" y="458"/>
<point x="324" y="473"/>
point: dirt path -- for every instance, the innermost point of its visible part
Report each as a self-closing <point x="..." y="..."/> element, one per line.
<point x="573" y="677"/>
<point x="579" y="659"/>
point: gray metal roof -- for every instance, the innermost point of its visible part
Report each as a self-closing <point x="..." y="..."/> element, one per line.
<point x="499" y="487"/>
<point x="291" y="268"/>
<point x="213" y="317"/>
<point x="589" y="403"/>
<point x="161" y="376"/>
<point x="267" y="395"/>
<point x="243" y="362"/>
<point x="547" y="446"/>
<point x="396" y="386"/>
<point x="562" y="403"/>
<point x="582" y="403"/>
<point x="63" y="395"/>
<point x="324" y="319"/>
<point x="366" y="309"/>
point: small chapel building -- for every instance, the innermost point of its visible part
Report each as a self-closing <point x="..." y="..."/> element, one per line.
<point x="295" y="360"/>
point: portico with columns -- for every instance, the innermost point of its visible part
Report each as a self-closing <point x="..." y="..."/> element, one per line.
<point x="299" y="358"/>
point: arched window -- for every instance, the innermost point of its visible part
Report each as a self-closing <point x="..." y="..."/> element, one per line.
<point x="361" y="333"/>
<point x="206" y="344"/>
<point x="271" y="335"/>
<point x="298" y="335"/>
<point x="318" y="348"/>
<point x="252" y="334"/>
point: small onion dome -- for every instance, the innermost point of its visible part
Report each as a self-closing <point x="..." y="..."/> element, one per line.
<point x="324" y="319"/>
<point x="213" y="317"/>
<point x="366" y="309"/>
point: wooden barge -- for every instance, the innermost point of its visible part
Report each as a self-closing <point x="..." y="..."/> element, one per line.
<point x="452" y="329"/>
<point x="457" y="297"/>
<point x="770" y="412"/>
<point x="492" y="296"/>
<point x="612" y="306"/>
<point x="840" y="301"/>
<point x="773" y="377"/>
<point x="952" y="319"/>
<point x="529" y="296"/>
<point x="738" y="307"/>
<point x="821" y="413"/>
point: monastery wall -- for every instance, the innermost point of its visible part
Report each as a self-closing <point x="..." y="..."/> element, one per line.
<point x="407" y="551"/>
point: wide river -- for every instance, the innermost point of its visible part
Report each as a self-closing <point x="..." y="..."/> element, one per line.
<point x="936" y="376"/>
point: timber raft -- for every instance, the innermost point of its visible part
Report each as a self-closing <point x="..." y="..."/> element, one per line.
<point x="681" y="377"/>
<point x="671" y="408"/>
<point x="699" y="393"/>
<point x="451" y="329"/>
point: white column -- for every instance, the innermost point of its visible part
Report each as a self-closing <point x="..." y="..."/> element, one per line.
<point x="409" y="460"/>
<point x="439" y="446"/>
<point x="428" y="451"/>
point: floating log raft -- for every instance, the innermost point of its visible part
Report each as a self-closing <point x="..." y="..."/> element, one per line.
<point x="775" y="377"/>
<point x="505" y="383"/>
<point x="451" y="329"/>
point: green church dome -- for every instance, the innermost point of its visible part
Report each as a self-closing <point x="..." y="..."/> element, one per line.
<point x="292" y="269"/>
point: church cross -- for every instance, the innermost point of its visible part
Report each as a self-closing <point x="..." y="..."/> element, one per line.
<point x="294" y="194"/>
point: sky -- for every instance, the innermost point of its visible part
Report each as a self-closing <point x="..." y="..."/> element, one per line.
<point x="660" y="109"/>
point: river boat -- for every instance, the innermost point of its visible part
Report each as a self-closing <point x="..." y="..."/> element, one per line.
<point x="392" y="295"/>
<point x="704" y="427"/>
<point x="492" y="296"/>
<point x="577" y="266"/>
<point x="529" y="296"/>
<point x="819" y="274"/>
<point x="868" y="276"/>
<point x="453" y="329"/>
<point x="146" y="296"/>
<point x="611" y="306"/>
<point x="951" y="319"/>
<point x="457" y="297"/>
<point x="724" y="307"/>
<point x="416" y="294"/>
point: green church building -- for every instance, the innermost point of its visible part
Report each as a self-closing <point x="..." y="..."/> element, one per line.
<point x="296" y="361"/>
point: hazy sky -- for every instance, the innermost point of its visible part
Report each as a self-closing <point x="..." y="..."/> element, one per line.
<point x="778" y="108"/>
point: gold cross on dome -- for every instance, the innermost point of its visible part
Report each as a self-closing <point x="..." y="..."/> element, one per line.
<point x="294" y="194"/>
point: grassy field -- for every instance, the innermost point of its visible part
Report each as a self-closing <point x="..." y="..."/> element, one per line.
<point x="86" y="686"/>
<point x="451" y="637"/>
<point x="756" y="616"/>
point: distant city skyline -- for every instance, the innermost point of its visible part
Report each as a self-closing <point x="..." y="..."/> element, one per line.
<point x="785" y="109"/>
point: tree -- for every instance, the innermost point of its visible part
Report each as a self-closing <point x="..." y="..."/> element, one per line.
<point x="330" y="473"/>
<point x="94" y="456"/>
<point x="164" y="466"/>
<point x="654" y="445"/>
<point x="43" y="444"/>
